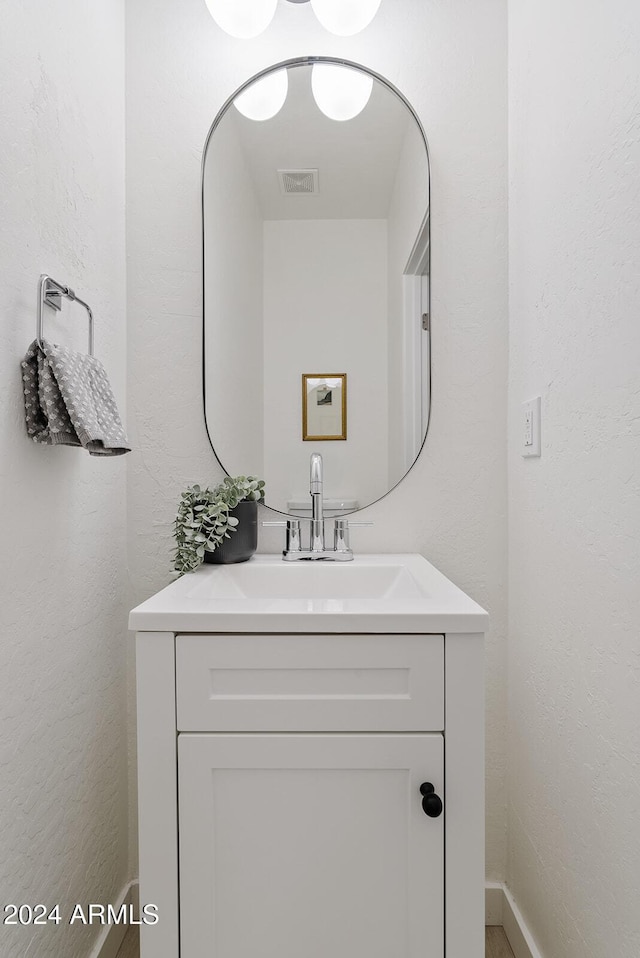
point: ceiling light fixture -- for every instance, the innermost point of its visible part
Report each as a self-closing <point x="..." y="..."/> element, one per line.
<point x="264" y="98"/>
<point x="345" y="17"/>
<point x="246" y="19"/>
<point x="243" y="19"/>
<point x="340" y="92"/>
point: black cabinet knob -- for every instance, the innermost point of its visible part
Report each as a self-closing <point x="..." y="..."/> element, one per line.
<point x="431" y="803"/>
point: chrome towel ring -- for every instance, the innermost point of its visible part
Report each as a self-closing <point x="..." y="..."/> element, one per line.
<point x="51" y="293"/>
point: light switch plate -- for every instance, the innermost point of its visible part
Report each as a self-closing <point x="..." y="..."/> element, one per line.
<point x="531" y="416"/>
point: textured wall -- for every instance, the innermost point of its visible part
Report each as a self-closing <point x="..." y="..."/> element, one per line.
<point x="450" y="61"/>
<point x="62" y="617"/>
<point x="574" y="660"/>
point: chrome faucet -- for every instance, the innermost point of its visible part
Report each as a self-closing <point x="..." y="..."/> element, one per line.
<point x="341" y="551"/>
<point x="317" y="513"/>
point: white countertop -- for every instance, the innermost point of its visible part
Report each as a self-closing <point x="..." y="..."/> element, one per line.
<point x="374" y="593"/>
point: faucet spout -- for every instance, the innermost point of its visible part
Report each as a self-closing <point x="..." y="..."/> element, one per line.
<point x="317" y="514"/>
<point x="315" y="477"/>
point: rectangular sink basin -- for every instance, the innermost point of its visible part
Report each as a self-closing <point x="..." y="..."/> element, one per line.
<point x="309" y="580"/>
<point x="374" y="593"/>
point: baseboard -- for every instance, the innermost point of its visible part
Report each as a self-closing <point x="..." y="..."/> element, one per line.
<point x="501" y="909"/>
<point x="111" y="936"/>
<point x="493" y="902"/>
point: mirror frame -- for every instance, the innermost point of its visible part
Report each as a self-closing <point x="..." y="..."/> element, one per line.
<point x="297" y="62"/>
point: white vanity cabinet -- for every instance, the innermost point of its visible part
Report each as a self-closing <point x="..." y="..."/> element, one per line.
<point x="281" y="779"/>
<point x="298" y="727"/>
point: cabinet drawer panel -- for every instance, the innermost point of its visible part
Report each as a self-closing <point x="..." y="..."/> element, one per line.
<point x="310" y="683"/>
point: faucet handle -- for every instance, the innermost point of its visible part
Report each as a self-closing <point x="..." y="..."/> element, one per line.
<point x="341" y="533"/>
<point x="293" y="542"/>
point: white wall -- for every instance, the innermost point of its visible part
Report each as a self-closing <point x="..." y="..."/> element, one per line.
<point x="574" y="666"/>
<point x="450" y="61"/>
<point x="63" y="775"/>
<point x="234" y="306"/>
<point x="325" y="293"/>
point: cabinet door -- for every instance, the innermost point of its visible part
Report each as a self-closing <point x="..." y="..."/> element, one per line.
<point x="310" y="846"/>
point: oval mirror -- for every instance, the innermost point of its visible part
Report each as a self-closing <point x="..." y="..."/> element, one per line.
<point x="316" y="284"/>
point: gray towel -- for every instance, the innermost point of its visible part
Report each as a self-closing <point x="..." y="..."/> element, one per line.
<point x="68" y="401"/>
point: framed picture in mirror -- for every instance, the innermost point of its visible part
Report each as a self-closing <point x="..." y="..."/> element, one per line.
<point x="324" y="406"/>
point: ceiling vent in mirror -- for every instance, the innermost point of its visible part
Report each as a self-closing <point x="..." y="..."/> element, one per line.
<point x="298" y="181"/>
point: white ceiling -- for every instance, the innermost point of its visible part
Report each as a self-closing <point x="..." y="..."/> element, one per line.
<point x="357" y="159"/>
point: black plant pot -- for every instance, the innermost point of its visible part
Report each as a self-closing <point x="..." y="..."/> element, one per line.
<point x="243" y="542"/>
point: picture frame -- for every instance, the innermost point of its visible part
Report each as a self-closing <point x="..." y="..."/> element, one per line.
<point x="324" y="407"/>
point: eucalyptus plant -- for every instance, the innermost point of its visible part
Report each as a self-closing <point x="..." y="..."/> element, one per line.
<point x="204" y="518"/>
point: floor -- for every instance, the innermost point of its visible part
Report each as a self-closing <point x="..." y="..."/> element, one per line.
<point x="497" y="945"/>
<point x="130" y="947"/>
